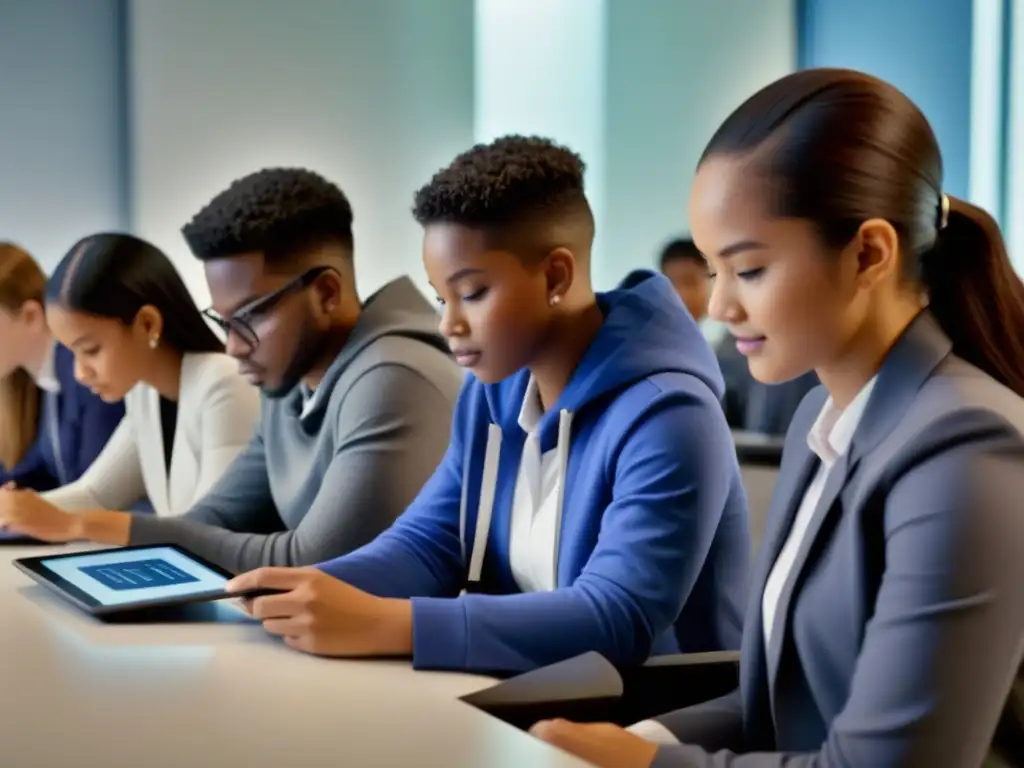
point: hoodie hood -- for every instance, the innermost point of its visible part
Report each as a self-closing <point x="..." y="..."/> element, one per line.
<point x="646" y="331"/>
<point x="397" y="309"/>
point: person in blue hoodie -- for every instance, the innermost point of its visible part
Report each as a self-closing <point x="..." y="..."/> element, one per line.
<point x="51" y="427"/>
<point x="590" y="497"/>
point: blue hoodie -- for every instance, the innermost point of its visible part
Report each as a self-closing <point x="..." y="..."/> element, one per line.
<point x="653" y="548"/>
<point x="74" y="426"/>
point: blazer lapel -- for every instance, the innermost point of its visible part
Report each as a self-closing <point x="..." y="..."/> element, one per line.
<point x="786" y="497"/>
<point x="797" y="471"/>
<point x="907" y="367"/>
<point x="175" y="481"/>
<point x="151" y="450"/>
<point x="834" y="483"/>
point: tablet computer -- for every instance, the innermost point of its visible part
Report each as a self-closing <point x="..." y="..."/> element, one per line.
<point x="109" y="581"/>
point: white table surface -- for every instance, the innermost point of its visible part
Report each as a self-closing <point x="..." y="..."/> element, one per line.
<point x="77" y="691"/>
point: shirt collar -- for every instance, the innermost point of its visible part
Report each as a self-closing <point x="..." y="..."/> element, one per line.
<point x="46" y="378"/>
<point x="531" y="411"/>
<point x="833" y="430"/>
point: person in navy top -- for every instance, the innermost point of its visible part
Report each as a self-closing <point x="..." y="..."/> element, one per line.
<point x="590" y="498"/>
<point x="51" y="427"/>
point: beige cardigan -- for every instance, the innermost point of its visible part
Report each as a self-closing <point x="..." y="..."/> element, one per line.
<point x="217" y="410"/>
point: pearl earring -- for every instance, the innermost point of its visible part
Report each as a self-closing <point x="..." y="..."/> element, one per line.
<point x="555" y="299"/>
<point x="154" y="342"/>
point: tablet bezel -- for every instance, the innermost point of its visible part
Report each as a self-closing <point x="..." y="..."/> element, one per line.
<point x="34" y="568"/>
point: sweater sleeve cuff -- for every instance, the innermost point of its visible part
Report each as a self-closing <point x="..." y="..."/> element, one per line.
<point x="147" y="529"/>
<point x="654" y="732"/>
<point x="440" y="633"/>
<point x="679" y="756"/>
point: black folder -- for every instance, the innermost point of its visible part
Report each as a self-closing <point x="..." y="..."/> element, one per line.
<point x="589" y="688"/>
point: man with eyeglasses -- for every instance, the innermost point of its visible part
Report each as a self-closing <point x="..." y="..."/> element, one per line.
<point x="357" y="396"/>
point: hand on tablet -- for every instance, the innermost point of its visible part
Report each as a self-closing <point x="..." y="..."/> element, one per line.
<point x="318" y="614"/>
<point x="25" y="512"/>
<point x="601" y="744"/>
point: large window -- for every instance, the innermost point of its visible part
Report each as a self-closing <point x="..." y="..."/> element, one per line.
<point x="1013" y="167"/>
<point x="988" y="113"/>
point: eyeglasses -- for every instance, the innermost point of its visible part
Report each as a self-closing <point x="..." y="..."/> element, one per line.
<point x="242" y="321"/>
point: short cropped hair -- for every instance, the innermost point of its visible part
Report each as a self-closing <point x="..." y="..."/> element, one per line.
<point x="679" y="249"/>
<point x="498" y="184"/>
<point x="280" y="212"/>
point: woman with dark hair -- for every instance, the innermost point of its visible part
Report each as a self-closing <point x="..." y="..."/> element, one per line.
<point x="120" y="306"/>
<point x="51" y="427"/>
<point x="886" y="625"/>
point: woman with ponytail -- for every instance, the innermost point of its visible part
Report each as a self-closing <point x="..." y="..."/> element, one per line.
<point x="51" y="427"/>
<point x="886" y="621"/>
<point x="120" y="306"/>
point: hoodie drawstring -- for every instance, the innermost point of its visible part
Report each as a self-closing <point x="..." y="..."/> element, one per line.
<point x="485" y="508"/>
<point x="562" y="458"/>
<point x="488" y="486"/>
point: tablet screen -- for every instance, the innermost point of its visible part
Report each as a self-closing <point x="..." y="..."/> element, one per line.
<point x="126" y="576"/>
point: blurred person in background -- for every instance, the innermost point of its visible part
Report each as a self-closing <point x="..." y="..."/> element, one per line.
<point x="684" y="266"/>
<point x="750" y="405"/>
<point x="51" y="427"/>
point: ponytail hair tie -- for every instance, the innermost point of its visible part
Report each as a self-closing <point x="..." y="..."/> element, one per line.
<point x="943" y="211"/>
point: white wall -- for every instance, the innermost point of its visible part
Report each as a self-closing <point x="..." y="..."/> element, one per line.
<point x="62" y="168"/>
<point x="635" y="86"/>
<point x="549" y="84"/>
<point x="374" y="95"/>
<point x="676" y="69"/>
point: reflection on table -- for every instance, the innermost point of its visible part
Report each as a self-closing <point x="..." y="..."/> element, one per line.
<point x="221" y="692"/>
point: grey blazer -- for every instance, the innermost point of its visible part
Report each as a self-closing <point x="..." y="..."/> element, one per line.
<point x="901" y="629"/>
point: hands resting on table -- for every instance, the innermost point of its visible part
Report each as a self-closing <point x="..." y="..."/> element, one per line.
<point x="321" y="615"/>
<point x="601" y="744"/>
<point x="327" y="617"/>
<point x="316" y="613"/>
<point x="25" y="511"/>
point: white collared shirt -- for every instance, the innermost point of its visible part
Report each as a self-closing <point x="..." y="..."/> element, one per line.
<point x="829" y="438"/>
<point x="535" y="504"/>
<point x="46" y="377"/>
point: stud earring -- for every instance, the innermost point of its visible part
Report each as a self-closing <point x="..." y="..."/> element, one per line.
<point x="555" y="300"/>
<point x="154" y="342"/>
